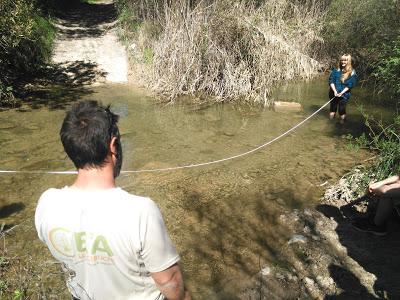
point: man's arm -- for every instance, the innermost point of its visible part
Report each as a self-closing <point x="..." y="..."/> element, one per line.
<point x="170" y="283"/>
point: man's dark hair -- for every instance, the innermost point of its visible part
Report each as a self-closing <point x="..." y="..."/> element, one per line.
<point x="86" y="134"/>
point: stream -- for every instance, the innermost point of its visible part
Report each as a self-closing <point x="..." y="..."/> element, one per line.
<point x="223" y="218"/>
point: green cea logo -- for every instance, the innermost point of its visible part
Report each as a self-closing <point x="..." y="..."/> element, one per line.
<point x="72" y="244"/>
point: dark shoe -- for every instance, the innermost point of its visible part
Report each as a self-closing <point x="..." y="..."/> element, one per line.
<point x="367" y="225"/>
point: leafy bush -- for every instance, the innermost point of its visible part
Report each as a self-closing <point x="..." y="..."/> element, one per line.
<point x="387" y="68"/>
<point x="361" y="28"/>
<point x="26" y="39"/>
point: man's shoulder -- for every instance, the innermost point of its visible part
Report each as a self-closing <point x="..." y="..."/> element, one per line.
<point x="50" y="193"/>
<point x="121" y="199"/>
<point x="115" y="195"/>
<point x="144" y="203"/>
<point x="123" y="194"/>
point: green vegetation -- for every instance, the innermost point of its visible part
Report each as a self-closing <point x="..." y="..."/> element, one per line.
<point x="26" y="38"/>
<point x="387" y="69"/>
<point x="370" y="31"/>
<point x="385" y="141"/>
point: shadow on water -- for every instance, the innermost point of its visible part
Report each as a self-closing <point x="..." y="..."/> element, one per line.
<point x="377" y="255"/>
<point x="354" y="125"/>
<point x="10" y="209"/>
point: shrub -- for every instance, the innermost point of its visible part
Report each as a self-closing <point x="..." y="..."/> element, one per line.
<point x="361" y="28"/>
<point x="228" y="49"/>
<point x="26" y="39"/>
<point x="387" y="68"/>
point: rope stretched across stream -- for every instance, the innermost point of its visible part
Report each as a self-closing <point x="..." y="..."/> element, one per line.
<point x="191" y="165"/>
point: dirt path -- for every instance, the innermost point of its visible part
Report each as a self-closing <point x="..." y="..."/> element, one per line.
<point x="87" y="34"/>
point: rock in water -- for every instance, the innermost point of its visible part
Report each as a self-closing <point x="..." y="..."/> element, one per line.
<point x="281" y="106"/>
<point x="297" y="238"/>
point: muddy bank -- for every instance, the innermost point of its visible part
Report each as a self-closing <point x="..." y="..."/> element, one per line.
<point x="329" y="258"/>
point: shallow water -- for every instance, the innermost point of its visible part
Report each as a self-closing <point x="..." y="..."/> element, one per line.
<point x="224" y="218"/>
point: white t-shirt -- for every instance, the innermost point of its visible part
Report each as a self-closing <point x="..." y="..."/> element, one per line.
<point x="108" y="240"/>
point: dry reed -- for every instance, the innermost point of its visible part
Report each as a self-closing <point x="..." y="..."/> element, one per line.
<point x="233" y="50"/>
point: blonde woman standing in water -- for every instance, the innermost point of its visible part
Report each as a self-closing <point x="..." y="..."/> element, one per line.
<point x="341" y="81"/>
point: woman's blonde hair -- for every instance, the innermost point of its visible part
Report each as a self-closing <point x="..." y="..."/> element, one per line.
<point x="346" y="72"/>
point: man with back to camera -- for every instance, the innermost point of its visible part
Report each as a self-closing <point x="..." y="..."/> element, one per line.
<point x="114" y="245"/>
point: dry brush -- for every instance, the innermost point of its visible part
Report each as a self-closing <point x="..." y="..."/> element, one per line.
<point x="232" y="50"/>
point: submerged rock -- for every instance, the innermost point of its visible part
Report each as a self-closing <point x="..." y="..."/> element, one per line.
<point x="297" y="238"/>
<point x="281" y="105"/>
<point x="265" y="271"/>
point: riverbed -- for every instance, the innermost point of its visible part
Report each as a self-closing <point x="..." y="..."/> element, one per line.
<point x="225" y="218"/>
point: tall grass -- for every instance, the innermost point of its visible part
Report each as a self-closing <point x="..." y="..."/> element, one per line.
<point x="232" y="50"/>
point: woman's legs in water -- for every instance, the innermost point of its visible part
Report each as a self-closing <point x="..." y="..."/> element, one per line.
<point x="333" y="106"/>
<point x="342" y="110"/>
<point x="337" y="104"/>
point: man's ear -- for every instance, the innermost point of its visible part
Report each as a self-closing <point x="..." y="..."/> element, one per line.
<point x="113" y="145"/>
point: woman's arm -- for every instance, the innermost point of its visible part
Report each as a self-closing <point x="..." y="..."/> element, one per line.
<point x="332" y="85"/>
<point x="346" y="89"/>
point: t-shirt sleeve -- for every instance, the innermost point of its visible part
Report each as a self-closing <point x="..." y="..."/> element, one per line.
<point x="40" y="209"/>
<point x="157" y="250"/>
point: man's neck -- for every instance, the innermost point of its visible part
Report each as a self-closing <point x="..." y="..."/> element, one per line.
<point x="95" y="178"/>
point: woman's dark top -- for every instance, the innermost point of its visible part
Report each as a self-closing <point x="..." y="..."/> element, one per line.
<point x="350" y="82"/>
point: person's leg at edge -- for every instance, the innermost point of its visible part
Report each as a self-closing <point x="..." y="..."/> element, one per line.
<point x="376" y="224"/>
<point x="383" y="211"/>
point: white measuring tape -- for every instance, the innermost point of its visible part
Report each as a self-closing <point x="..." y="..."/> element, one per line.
<point x="191" y="165"/>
